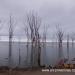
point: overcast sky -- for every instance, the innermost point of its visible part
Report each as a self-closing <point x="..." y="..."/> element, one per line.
<point x="52" y="12"/>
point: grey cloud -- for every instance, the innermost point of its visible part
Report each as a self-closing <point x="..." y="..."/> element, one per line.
<point x="52" y="12"/>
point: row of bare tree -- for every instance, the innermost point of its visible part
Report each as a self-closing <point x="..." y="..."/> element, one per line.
<point x="33" y="22"/>
<point x="70" y="39"/>
<point x="31" y="28"/>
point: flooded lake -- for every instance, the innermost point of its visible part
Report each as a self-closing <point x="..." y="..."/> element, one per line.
<point x="51" y="54"/>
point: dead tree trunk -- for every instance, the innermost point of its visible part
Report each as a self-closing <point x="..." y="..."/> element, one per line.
<point x="60" y="39"/>
<point x="73" y="39"/>
<point x="34" y="24"/>
<point x="44" y="43"/>
<point x="10" y="41"/>
<point x="72" y="43"/>
<point x="27" y="45"/>
<point x="39" y="50"/>
<point x="68" y="47"/>
<point x="19" y="54"/>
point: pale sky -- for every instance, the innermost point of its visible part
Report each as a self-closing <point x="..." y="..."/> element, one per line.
<point x="52" y="12"/>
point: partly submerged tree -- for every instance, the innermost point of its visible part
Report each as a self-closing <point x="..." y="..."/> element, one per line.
<point x="34" y="23"/>
<point x="27" y="45"/>
<point x="60" y="40"/>
<point x="19" y="43"/>
<point x="10" y="39"/>
<point x="44" y="41"/>
<point x="73" y="40"/>
<point x="68" y="37"/>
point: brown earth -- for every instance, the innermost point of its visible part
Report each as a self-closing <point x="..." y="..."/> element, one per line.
<point x="32" y="73"/>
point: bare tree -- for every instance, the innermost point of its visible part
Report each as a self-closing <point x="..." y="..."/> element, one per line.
<point x="68" y="46"/>
<point x="19" y="52"/>
<point x="34" y="23"/>
<point x="27" y="46"/>
<point x="10" y="39"/>
<point x="73" y="39"/>
<point x="39" y="50"/>
<point x="60" y="39"/>
<point x="44" y="40"/>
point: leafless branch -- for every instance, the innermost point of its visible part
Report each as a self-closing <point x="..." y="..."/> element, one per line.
<point x="34" y="23"/>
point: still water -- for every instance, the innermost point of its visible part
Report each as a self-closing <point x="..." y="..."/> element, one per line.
<point x="51" y="53"/>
